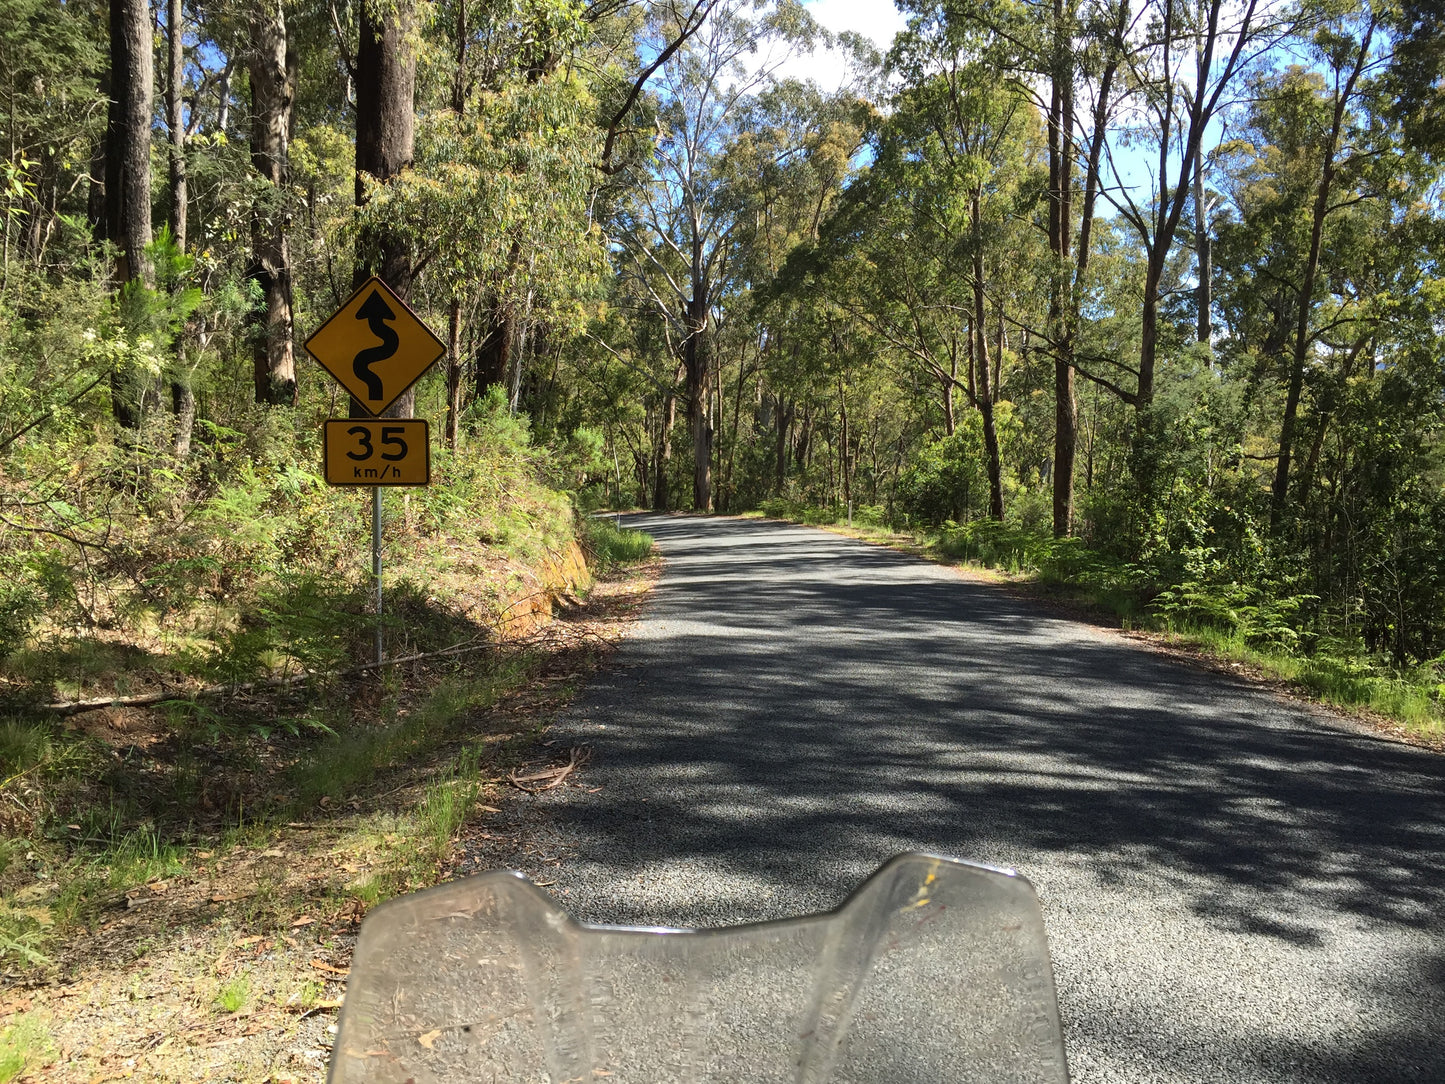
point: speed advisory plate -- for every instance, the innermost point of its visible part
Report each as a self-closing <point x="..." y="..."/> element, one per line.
<point x="377" y="452"/>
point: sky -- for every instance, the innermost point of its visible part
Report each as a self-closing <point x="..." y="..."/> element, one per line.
<point x="878" y="20"/>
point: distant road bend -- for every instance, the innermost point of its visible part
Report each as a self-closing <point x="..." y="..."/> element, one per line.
<point x="1234" y="891"/>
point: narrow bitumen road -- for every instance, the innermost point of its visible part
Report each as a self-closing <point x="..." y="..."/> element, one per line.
<point x="1235" y="889"/>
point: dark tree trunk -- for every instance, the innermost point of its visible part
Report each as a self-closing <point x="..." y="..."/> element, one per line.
<point x="183" y="398"/>
<point x="661" y="496"/>
<point x="176" y="118"/>
<point x="1061" y="228"/>
<point x="385" y="138"/>
<point x="272" y="96"/>
<point x="128" y="178"/>
<point x="494" y="353"/>
<point x="845" y="461"/>
<point x="1204" y="264"/>
<point x="805" y="439"/>
<point x="454" y="373"/>
<point x="983" y="376"/>
<point x="785" y="422"/>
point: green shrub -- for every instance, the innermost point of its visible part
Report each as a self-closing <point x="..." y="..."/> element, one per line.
<point x="609" y="546"/>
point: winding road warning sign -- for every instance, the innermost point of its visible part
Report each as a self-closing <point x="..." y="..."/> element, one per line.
<point x="375" y="346"/>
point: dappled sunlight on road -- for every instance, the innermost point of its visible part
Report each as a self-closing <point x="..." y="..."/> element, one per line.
<point x="1234" y="890"/>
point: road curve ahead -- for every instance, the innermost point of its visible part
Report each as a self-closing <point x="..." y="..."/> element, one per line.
<point x="1234" y="891"/>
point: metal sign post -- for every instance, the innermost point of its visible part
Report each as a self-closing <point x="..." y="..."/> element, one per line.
<point x="376" y="565"/>
<point x="376" y="348"/>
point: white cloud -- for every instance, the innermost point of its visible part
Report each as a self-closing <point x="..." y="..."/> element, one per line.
<point x="877" y="20"/>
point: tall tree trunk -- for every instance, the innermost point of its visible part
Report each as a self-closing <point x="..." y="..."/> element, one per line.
<point x="128" y="178"/>
<point x="385" y="141"/>
<point x="272" y="95"/>
<point x="695" y="361"/>
<point x="176" y="118"/>
<point x="785" y="422"/>
<point x="984" y="378"/>
<point x="844" y="462"/>
<point x="183" y="396"/>
<point x="1061" y="228"/>
<point x="454" y="373"/>
<point x="454" y="315"/>
<point x="1203" y="294"/>
<point x="661" y="494"/>
<point x="1304" y="305"/>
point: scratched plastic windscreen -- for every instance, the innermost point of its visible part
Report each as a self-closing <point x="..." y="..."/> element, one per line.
<point x="932" y="971"/>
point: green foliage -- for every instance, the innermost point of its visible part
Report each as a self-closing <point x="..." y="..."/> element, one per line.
<point x="944" y="481"/>
<point x="448" y="802"/>
<point x="609" y="545"/>
<point x="339" y="765"/>
<point x="23" y="1045"/>
<point x="233" y="994"/>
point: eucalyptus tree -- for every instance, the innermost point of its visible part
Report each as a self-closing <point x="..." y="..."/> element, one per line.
<point x="1344" y="47"/>
<point x="272" y="70"/>
<point x="786" y="170"/>
<point x="1187" y="59"/>
<point x="1319" y="185"/>
<point x="678" y="229"/>
<point x="965" y="153"/>
<point x="1065" y="57"/>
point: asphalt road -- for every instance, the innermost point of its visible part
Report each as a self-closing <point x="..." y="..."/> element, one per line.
<point x="1234" y="889"/>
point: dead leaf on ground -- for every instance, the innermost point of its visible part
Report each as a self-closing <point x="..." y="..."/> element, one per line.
<point x="429" y="1039"/>
<point x="243" y="942"/>
<point x="322" y="965"/>
<point x="231" y="897"/>
<point x="274" y="852"/>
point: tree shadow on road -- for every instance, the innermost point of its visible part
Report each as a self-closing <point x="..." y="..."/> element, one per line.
<point x="800" y="707"/>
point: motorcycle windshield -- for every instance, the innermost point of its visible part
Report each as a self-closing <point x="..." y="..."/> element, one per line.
<point x="933" y="971"/>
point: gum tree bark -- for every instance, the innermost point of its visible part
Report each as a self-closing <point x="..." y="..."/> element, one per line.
<point x="272" y="95"/>
<point x="128" y="178"/>
<point x="385" y="141"/>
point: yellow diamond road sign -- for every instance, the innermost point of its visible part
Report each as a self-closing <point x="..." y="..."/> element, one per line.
<point x="375" y="346"/>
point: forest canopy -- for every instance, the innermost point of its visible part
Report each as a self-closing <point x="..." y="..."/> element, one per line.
<point x="1151" y="287"/>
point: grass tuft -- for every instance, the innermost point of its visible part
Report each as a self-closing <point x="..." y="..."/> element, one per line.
<point x="22" y="1046"/>
<point x="233" y="995"/>
<point x="610" y="546"/>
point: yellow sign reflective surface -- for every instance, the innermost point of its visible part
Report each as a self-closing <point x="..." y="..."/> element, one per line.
<point x="377" y="452"/>
<point x="375" y="346"/>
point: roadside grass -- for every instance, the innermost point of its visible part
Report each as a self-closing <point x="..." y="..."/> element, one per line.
<point x="23" y="1045"/>
<point x="81" y="871"/>
<point x="1251" y="636"/>
<point x="341" y="763"/>
<point x="233" y="994"/>
<point x="145" y="933"/>
<point x="609" y="546"/>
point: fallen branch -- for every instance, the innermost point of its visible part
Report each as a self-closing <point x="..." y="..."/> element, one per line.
<point x="75" y="707"/>
<point x="553" y="776"/>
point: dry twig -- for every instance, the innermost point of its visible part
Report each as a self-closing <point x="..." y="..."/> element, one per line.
<point x="554" y="776"/>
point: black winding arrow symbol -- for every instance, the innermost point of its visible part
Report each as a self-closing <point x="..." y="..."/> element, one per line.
<point x="376" y="312"/>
